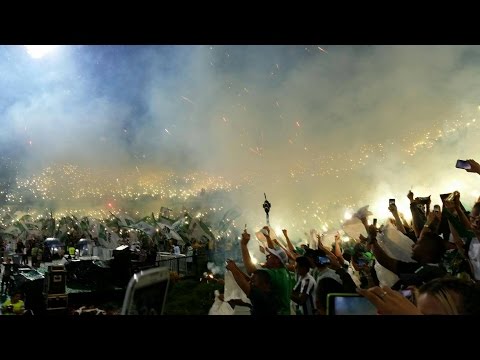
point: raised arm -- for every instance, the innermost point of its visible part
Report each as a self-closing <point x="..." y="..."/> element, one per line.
<point x="327" y="252"/>
<point x="398" y="221"/>
<point x="461" y="215"/>
<point x="247" y="260"/>
<point x="291" y="254"/>
<point x="338" y="251"/>
<point x="267" y="236"/>
<point x="240" y="277"/>
<point x="456" y="238"/>
<point x="381" y="256"/>
<point x="416" y="216"/>
<point x="461" y="246"/>
<point x="289" y="243"/>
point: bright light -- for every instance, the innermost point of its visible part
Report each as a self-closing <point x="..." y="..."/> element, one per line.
<point x="278" y="230"/>
<point x="380" y="210"/>
<point x="348" y="215"/>
<point x="39" y="51"/>
<point x="254" y="260"/>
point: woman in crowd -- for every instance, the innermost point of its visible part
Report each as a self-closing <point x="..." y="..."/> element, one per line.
<point x="442" y="296"/>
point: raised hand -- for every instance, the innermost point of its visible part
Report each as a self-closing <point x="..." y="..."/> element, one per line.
<point x="389" y="302"/>
<point x="393" y="209"/>
<point x="474" y="166"/>
<point x="410" y="195"/>
<point x="456" y="198"/>
<point x="245" y="238"/>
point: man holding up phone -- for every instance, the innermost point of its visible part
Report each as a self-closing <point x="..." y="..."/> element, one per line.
<point x="427" y="252"/>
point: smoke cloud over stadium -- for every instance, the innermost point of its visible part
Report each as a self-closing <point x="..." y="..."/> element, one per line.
<point x="322" y="130"/>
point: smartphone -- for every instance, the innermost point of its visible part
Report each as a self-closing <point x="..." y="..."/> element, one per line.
<point x="408" y="294"/>
<point x="436" y="209"/>
<point x="146" y="292"/>
<point x="361" y="262"/>
<point x="323" y="260"/>
<point x="374" y="222"/>
<point x="463" y="164"/>
<point x="391" y="202"/>
<point x="349" y="304"/>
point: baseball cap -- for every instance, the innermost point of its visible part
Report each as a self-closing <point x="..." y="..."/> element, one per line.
<point x="280" y="254"/>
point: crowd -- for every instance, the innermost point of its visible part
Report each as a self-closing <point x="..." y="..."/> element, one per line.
<point x="440" y="270"/>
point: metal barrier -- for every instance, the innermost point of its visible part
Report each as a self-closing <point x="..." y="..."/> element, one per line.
<point x="176" y="263"/>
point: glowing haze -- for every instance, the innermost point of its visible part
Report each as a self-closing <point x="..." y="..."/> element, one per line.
<point x="323" y="130"/>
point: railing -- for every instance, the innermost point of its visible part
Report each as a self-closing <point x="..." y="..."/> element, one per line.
<point x="181" y="264"/>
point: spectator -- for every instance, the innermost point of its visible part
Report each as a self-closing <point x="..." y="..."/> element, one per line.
<point x="14" y="305"/>
<point x="445" y="296"/>
<point x="6" y="277"/>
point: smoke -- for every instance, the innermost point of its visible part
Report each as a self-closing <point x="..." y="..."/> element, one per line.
<point x="319" y="132"/>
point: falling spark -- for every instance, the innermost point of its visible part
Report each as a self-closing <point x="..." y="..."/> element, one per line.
<point x="168" y="132"/>
<point x="298" y="124"/>
<point x="255" y="151"/>
<point x="325" y="51"/>
<point x="187" y="99"/>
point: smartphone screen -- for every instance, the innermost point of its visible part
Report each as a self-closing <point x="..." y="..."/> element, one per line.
<point x="147" y="292"/>
<point x="374" y="222"/>
<point x="349" y="304"/>
<point x="391" y="201"/>
<point x="462" y="164"/>
<point x="409" y="295"/>
<point x="361" y="262"/>
<point x="323" y="260"/>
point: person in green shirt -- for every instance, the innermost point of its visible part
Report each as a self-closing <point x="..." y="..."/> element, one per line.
<point x="281" y="279"/>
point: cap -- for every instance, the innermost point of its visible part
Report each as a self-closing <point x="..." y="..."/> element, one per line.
<point x="280" y="254"/>
<point x="299" y="250"/>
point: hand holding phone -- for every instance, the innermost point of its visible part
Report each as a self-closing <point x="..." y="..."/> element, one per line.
<point x="463" y="164"/>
